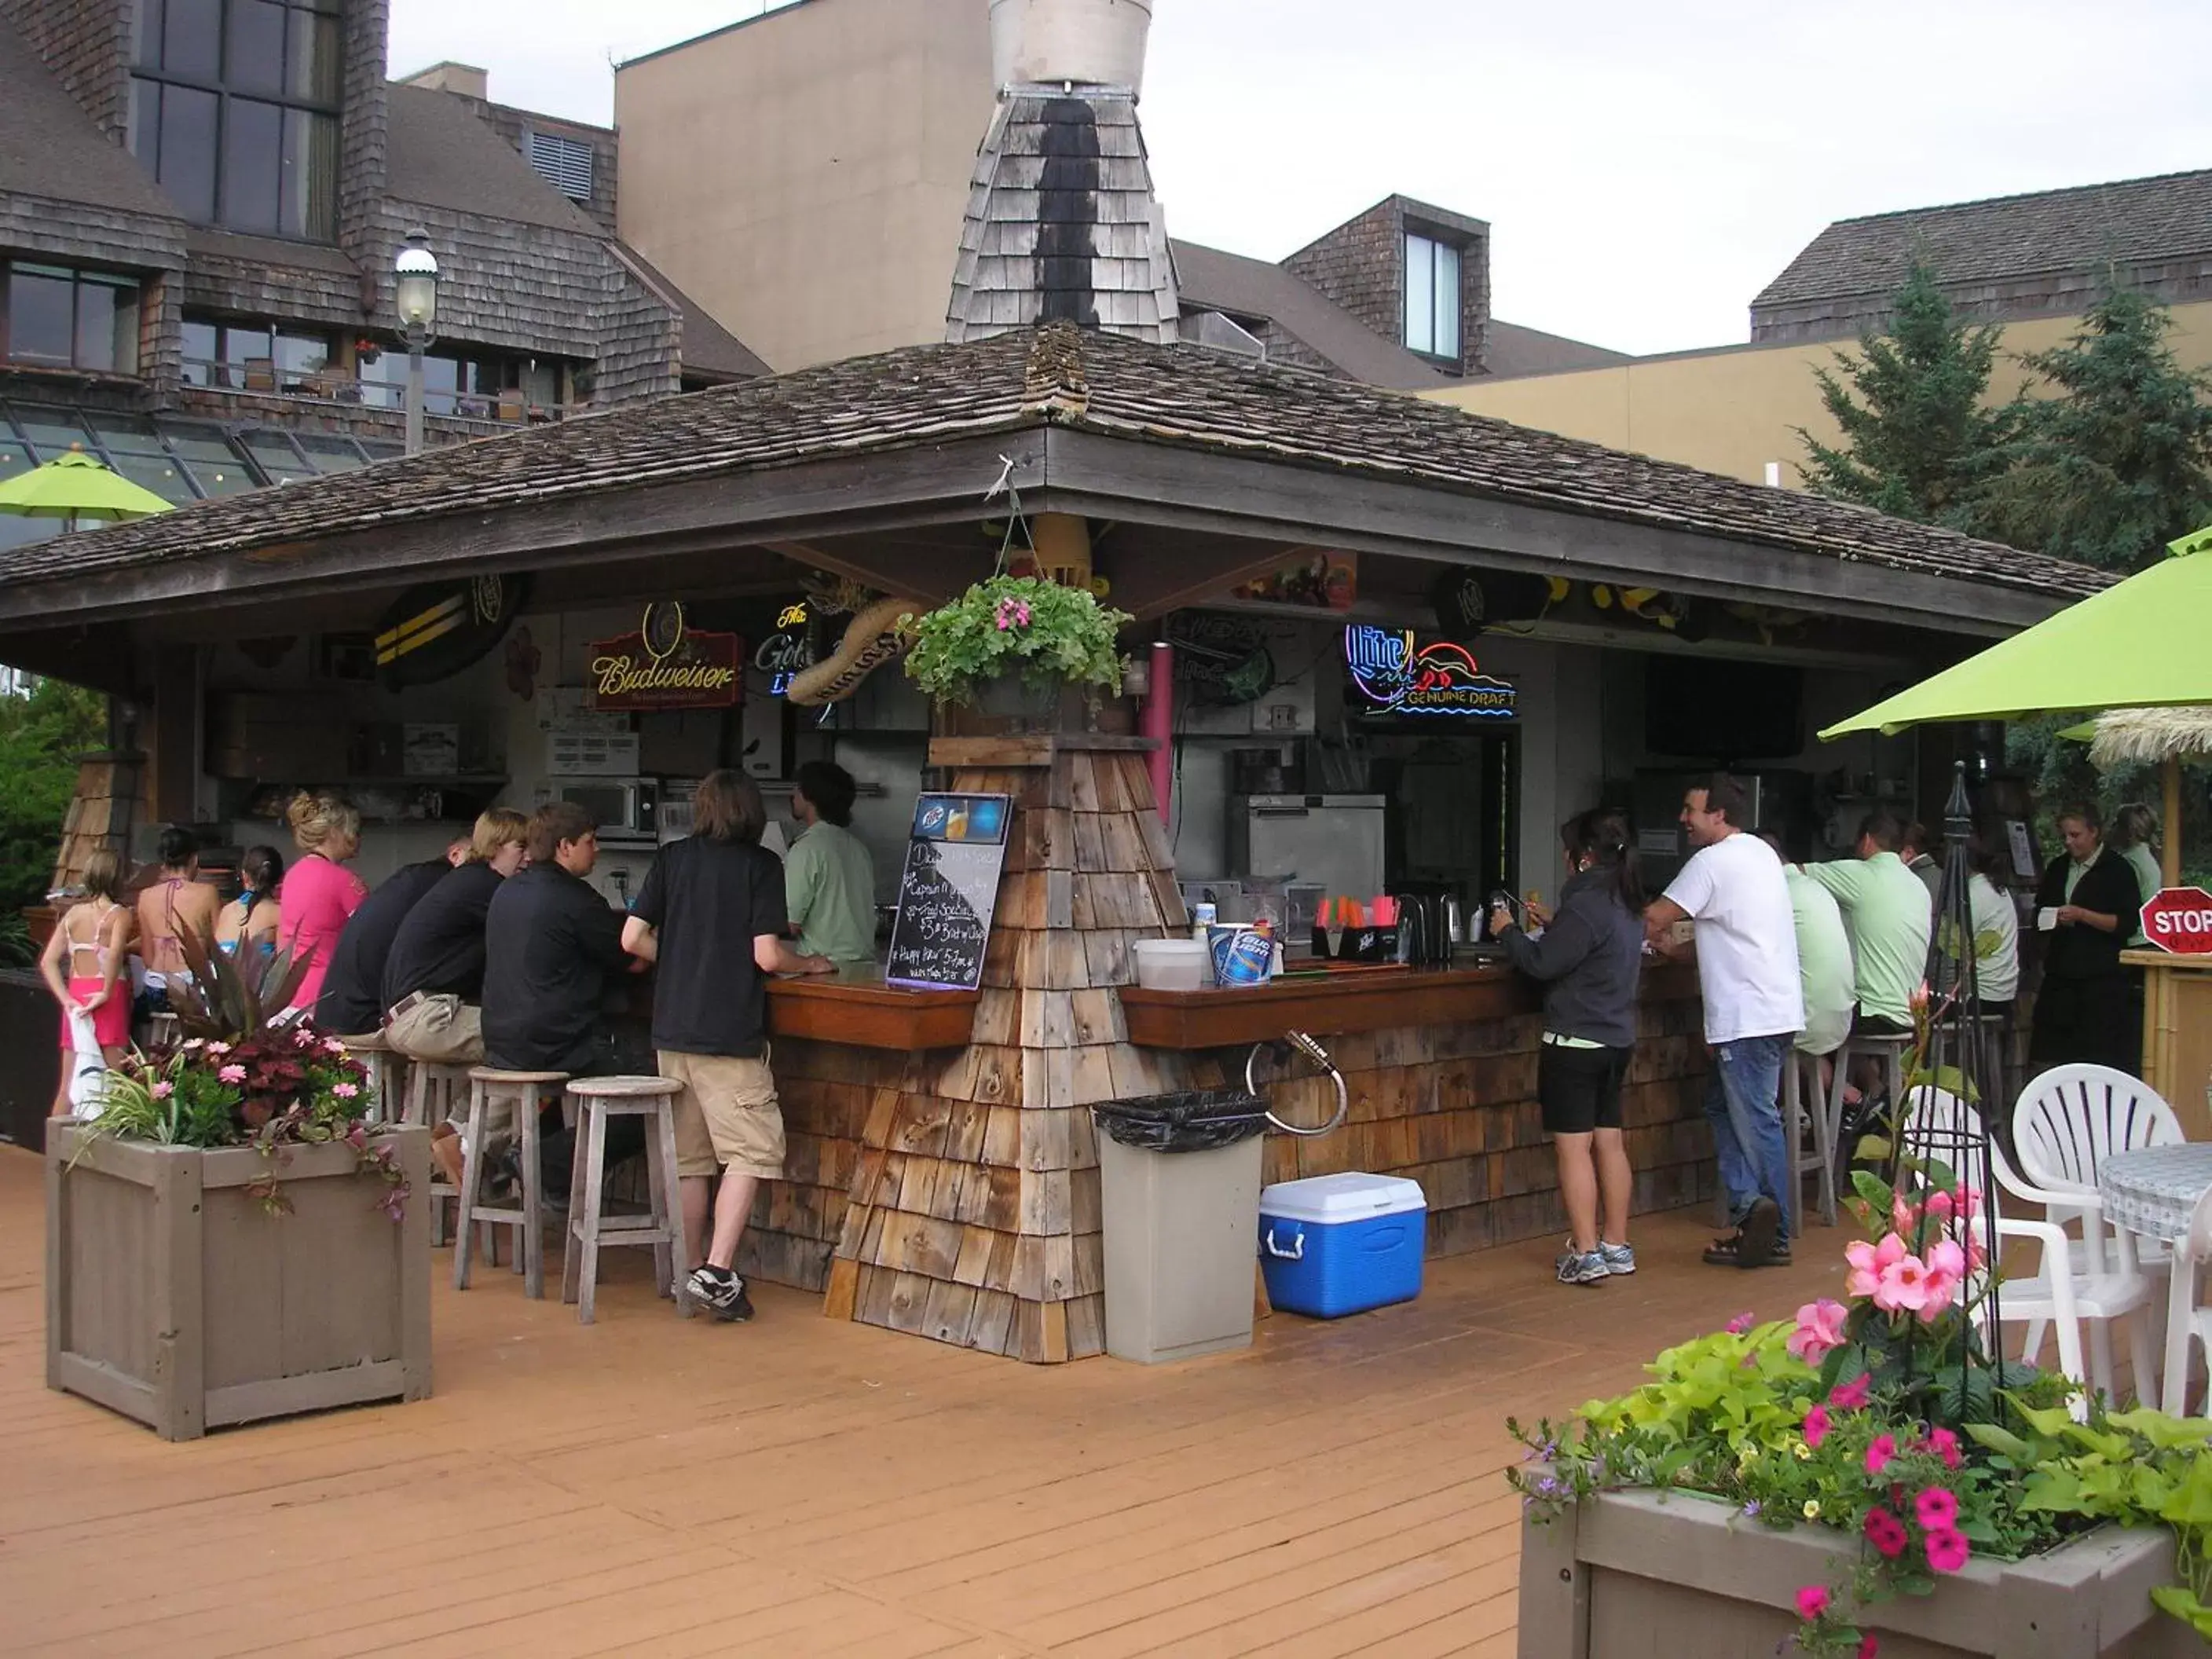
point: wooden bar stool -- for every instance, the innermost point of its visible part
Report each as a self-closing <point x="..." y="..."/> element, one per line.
<point x="435" y="1094"/>
<point x="525" y="1093"/>
<point x="1800" y="1083"/>
<point x="598" y="1099"/>
<point x="1890" y="1049"/>
<point x="387" y="1075"/>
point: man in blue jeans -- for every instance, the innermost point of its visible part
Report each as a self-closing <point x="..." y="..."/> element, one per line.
<point x="1746" y="944"/>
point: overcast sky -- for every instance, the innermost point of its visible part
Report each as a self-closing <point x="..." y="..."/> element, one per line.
<point x="1646" y="168"/>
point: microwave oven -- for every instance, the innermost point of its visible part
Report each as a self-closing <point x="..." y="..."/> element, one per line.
<point x="625" y="809"/>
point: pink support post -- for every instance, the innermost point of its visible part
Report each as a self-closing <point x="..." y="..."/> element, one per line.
<point x="1159" y="726"/>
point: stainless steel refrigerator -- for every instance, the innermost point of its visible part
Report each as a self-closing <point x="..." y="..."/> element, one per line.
<point x="1334" y="840"/>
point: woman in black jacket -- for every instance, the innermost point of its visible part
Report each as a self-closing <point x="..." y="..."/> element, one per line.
<point x="1588" y="958"/>
<point x="2090" y="899"/>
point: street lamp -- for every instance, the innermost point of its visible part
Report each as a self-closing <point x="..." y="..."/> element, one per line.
<point x="414" y="291"/>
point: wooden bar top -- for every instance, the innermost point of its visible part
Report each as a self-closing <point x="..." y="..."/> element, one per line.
<point x="1369" y="999"/>
<point x="2147" y="958"/>
<point x="855" y="1006"/>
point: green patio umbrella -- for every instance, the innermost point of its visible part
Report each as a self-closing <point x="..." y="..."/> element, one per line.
<point x="76" y="486"/>
<point x="2145" y="643"/>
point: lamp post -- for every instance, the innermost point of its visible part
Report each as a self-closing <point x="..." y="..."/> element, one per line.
<point x="415" y="291"/>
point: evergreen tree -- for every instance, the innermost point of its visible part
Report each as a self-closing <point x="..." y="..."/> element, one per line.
<point x="2112" y="455"/>
<point x="1918" y="440"/>
<point x="42" y="731"/>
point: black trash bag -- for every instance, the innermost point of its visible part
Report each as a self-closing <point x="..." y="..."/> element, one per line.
<point x="1194" y="1120"/>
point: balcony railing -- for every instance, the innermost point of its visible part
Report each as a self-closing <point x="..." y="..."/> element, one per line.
<point x="260" y="377"/>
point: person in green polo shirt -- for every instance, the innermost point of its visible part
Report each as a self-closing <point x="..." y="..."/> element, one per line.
<point x="1888" y="917"/>
<point x="828" y="878"/>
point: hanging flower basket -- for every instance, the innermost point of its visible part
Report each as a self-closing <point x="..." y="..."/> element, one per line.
<point x="1035" y="633"/>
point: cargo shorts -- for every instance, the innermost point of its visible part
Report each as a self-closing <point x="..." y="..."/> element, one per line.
<point x="726" y="1115"/>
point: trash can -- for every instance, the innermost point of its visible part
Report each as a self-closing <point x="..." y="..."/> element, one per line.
<point x="1179" y="1189"/>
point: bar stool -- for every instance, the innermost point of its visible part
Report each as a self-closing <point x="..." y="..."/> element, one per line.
<point x="436" y="1092"/>
<point x="1800" y="1082"/>
<point x="1996" y="1090"/>
<point x="598" y="1099"/>
<point x="525" y="1093"/>
<point x="1887" y="1048"/>
<point x="387" y="1075"/>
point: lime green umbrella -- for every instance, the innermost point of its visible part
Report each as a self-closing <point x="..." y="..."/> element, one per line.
<point x="2144" y="643"/>
<point x="76" y="486"/>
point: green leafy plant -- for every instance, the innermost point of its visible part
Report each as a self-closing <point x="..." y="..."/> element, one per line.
<point x="243" y="1075"/>
<point x="1019" y="625"/>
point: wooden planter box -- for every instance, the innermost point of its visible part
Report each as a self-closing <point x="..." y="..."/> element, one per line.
<point x="174" y="1298"/>
<point x="1629" y="1575"/>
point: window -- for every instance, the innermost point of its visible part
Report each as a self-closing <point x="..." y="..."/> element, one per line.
<point x="55" y="318"/>
<point x="257" y="357"/>
<point x="1432" y="297"/>
<point x="234" y="109"/>
<point x="563" y="163"/>
<point x="483" y="386"/>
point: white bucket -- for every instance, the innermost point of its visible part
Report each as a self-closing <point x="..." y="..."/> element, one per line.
<point x="1173" y="965"/>
<point x="1090" y="42"/>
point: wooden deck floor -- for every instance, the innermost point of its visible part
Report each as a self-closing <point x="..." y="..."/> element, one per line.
<point x="649" y="1486"/>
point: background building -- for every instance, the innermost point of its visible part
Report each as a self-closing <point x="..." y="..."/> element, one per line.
<point x="2033" y="264"/>
<point x="808" y="175"/>
<point x="199" y="208"/>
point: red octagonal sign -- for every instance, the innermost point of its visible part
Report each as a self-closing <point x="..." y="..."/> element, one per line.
<point x="2180" y="919"/>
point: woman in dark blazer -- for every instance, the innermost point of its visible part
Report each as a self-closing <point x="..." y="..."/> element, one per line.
<point x="2083" y="1012"/>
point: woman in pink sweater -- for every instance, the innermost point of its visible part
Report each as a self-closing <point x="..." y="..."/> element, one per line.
<point x="318" y="893"/>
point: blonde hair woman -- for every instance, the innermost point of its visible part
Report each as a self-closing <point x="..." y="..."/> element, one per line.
<point x="92" y="940"/>
<point x="318" y="893"/>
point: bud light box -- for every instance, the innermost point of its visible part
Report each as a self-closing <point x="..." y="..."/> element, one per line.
<point x="1332" y="1245"/>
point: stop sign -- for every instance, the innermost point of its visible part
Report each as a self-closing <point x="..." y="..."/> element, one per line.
<point x="2180" y="919"/>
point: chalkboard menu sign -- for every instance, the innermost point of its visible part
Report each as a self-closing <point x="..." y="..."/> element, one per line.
<point x="948" y="890"/>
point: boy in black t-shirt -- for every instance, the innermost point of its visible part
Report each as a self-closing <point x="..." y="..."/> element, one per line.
<point x="711" y="914"/>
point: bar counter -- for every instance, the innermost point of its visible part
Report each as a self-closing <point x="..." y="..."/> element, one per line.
<point x="853" y="1005"/>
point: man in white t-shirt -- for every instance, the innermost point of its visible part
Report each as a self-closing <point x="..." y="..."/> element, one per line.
<point x="1746" y="951"/>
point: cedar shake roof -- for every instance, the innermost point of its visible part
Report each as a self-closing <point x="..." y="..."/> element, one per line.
<point x="50" y="148"/>
<point x="2134" y="220"/>
<point x="1183" y="397"/>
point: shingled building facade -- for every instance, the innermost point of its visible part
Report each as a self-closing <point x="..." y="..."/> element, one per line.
<point x="199" y="209"/>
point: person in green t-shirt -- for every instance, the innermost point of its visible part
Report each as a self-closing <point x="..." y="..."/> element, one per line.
<point x="1887" y="915"/>
<point x="2134" y="836"/>
<point x="829" y="877"/>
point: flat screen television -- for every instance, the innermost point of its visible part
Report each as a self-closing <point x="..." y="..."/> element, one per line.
<point x="1705" y="708"/>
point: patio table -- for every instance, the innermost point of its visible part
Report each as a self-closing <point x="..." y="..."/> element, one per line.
<point x="2152" y="1192"/>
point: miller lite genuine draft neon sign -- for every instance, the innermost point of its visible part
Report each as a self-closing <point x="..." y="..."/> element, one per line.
<point x="1396" y="677"/>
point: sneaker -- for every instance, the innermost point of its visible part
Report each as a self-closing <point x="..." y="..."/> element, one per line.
<point x="1583" y="1267"/>
<point x="722" y="1293"/>
<point x="1620" y="1260"/>
<point x="1761" y="1231"/>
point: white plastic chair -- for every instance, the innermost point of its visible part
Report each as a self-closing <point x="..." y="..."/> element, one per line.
<point x="2186" y="1317"/>
<point x="2068" y="1289"/>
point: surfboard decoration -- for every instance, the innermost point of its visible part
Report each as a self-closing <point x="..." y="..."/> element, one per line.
<point x="871" y="639"/>
<point x="433" y="632"/>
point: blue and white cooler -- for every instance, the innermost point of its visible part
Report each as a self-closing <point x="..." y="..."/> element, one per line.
<point x="1332" y="1245"/>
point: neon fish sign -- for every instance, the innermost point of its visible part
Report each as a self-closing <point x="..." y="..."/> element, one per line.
<point x="1399" y="678"/>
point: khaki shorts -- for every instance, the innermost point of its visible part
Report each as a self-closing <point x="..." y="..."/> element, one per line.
<point x="442" y="1030"/>
<point x="726" y="1115"/>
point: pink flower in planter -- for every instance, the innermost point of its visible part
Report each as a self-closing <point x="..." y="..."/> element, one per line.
<point x="1945" y="1444"/>
<point x="218" y="1047"/>
<point x="1904" y="1214"/>
<point x="1948" y="1550"/>
<point x="1903" y="1286"/>
<point x="1880" y="1455"/>
<point x="331" y="1045"/>
<point x="1869" y="1645"/>
<point x="1817" y="1427"/>
<point x="1742" y="1322"/>
<point x="163" y="1091"/>
<point x="344" y="1090"/>
<point x="1946" y="1268"/>
<point x="1936" y="1509"/>
<point x="1887" y="1533"/>
<point x="1820" y="1327"/>
<point x="1812" y="1601"/>
<point x="1868" y="1262"/>
<point x="1939" y="1204"/>
<point x="232" y="1074"/>
<point x="1850" y="1396"/>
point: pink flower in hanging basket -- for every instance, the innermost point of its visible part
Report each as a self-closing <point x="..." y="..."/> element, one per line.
<point x="1850" y="1396"/>
<point x="1869" y="1645"/>
<point x="1936" y="1509"/>
<point x="1945" y="1444"/>
<point x="1903" y="1286"/>
<point x="1880" y="1455"/>
<point x="1887" y="1533"/>
<point x="1817" y="1427"/>
<point x="1868" y="1262"/>
<point x="1742" y="1322"/>
<point x="1820" y="1327"/>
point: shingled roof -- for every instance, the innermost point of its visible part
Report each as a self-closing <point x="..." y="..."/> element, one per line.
<point x="1057" y="376"/>
<point x="2166" y="217"/>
